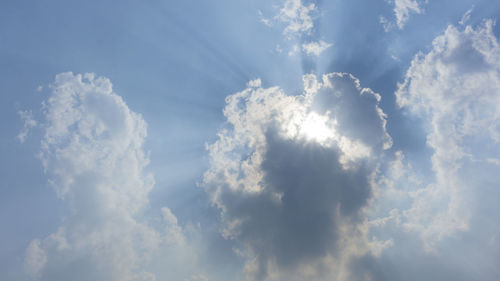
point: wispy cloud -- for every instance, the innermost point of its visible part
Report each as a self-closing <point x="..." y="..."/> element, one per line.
<point x="315" y="48"/>
<point x="402" y="10"/>
<point x="299" y="24"/>
<point x="29" y="122"/>
<point x="466" y="17"/>
<point x="297" y="17"/>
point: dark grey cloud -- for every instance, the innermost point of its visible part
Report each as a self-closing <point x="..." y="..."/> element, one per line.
<point x="293" y="173"/>
<point x="316" y="194"/>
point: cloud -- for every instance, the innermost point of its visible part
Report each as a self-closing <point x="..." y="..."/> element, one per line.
<point x="315" y="48"/>
<point x="29" y="122"/>
<point x="294" y="50"/>
<point x="174" y="234"/>
<point x="386" y="24"/>
<point x="297" y="17"/>
<point x="299" y="24"/>
<point x="454" y="88"/>
<point x="35" y="258"/>
<point x="402" y="10"/>
<point x="197" y="277"/>
<point x="466" y="17"/>
<point x="292" y="174"/>
<point x="92" y="153"/>
<point x="264" y="20"/>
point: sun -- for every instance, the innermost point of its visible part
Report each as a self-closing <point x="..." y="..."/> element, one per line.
<point x="315" y="128"/>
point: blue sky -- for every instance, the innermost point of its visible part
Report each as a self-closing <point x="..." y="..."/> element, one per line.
<point x="249" y="140"/>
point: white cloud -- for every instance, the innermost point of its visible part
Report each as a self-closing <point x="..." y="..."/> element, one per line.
<point x="402" y="10"/>
<point x="455" y="89"/>
<point x="278" y="49"/>
<point x="197" y="277"/>
<point x="466" y="17"/>
<point x="254" y="83"/>
<point x="173" y="231"/>
<point x="299" y="20"/>
<point x="292" y="174"/>
<point x="386" y="24"/>
<point x="29" y="122"/>
<point x="92" y="153"/>
<point x="294" y="50"/>
<point x="264" y="20"/>
<point x="297" y="17"/>
<point x="315" y="48"/>
<point x="35" y="258"/>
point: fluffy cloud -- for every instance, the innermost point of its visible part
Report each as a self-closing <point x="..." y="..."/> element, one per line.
<point x="92" y="153"/>
<point x="402" y="10"/>
<point x="292" y="174"/>
<point x="315" y="48"/>
<point x="299" y="21"/>
<point x="297" y="17"/>
<point x="454" y="88"/>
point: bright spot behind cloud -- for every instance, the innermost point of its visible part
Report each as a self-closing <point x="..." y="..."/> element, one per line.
<point x="314" y="128"/>
<point x="291" y="174"/>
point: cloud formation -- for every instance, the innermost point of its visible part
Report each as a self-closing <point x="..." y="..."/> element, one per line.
<point x="299" y="21"/>
<point x="315" y="48"/>
<point x="297" y="17"/>
<point x="29" y="122"/>
<point x="454" y="88"/>
<point x="292" y="174"/>
<point x="92" y="153"/>
<point x="402" y="10"/>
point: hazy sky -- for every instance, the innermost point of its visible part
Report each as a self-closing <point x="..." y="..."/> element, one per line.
<point x="280" y="140"/>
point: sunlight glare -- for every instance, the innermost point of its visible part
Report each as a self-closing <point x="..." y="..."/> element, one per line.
<point x="315" y="128"/>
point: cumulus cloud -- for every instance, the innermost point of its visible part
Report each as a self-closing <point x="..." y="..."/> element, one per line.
<point x="92" y="153"/>
<point x="315" y="48"/>
<point x="292" y="174"/>
<point x="297" y="17"/>
<point x="454" y="88"/>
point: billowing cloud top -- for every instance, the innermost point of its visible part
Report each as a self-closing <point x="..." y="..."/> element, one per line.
<point x="302" y="181"/>
<point x="455" y="89"/>
<point x="293" y="173"/>
<point x="92" y="154"/>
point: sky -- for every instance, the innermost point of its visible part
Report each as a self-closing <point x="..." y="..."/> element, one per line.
<point x="278" y="140"/>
